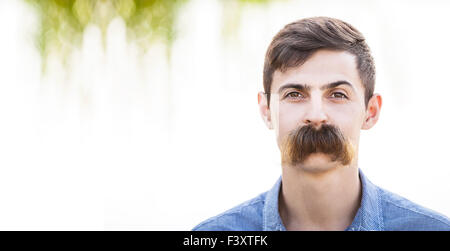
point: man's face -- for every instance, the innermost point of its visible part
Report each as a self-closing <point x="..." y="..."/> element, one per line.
<point x="326" y="89"/>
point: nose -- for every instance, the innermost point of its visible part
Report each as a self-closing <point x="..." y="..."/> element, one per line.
<point x="315" y="114"/>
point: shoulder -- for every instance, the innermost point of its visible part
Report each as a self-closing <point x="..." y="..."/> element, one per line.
<point x="400" y="213"/>
<point x="246" y="216"/>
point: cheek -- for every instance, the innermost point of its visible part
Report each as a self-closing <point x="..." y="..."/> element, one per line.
<point x="350" y="120"/>
<point x="288" y="119"/>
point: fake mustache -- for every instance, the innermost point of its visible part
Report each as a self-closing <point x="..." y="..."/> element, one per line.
<point x="305" y="140"/>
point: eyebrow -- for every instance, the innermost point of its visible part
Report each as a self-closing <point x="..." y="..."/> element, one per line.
<point x="303" y="87"/>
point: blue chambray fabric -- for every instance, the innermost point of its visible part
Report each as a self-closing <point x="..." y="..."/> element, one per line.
<point x="380" y="210"/>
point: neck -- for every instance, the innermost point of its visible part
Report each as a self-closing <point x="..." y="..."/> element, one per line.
<point x="319" y="201"/>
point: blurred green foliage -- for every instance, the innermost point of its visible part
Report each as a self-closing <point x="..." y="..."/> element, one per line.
<point x="62" y="22"/>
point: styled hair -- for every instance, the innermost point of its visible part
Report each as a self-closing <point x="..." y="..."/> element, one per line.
<point x="297" y="41"/>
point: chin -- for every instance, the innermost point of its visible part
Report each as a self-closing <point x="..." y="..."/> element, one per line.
<point x="318" y="163"/>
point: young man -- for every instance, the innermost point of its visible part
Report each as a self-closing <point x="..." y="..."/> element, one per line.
<point x="319" y="79"/>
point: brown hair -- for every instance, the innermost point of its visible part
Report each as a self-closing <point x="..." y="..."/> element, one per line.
<point x="297" y="41"/>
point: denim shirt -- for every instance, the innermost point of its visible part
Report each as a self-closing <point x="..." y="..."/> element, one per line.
<point x="379" y="210"/>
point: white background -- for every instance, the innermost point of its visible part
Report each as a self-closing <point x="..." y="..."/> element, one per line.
<point x="121" y="140"/>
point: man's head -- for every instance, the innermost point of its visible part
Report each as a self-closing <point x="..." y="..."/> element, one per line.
<point x="319" y="80"/>
<point x="297" y="41"/>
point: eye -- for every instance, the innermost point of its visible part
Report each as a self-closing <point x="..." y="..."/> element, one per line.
<point x="294" y="95"/>
<point x="338" y="95"/>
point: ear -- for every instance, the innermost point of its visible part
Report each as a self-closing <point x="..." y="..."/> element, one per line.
<point x="372" y="111"/>
<point x="264" y="109"/>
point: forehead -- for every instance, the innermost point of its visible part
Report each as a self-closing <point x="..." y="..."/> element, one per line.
<point x="323" y="67"/>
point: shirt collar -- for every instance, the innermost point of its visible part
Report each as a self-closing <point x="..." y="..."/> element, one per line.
<point x="368" y="217"/>
<point x="271" y="217"/>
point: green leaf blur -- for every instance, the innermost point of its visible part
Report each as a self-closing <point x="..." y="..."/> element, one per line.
<point x="62" y="22"/>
